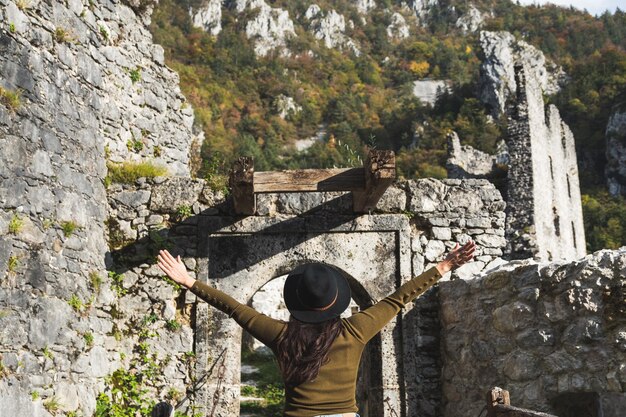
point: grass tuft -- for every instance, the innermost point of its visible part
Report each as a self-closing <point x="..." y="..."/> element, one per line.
<point x="10" y="99"/>
<point x="128" y="172"/>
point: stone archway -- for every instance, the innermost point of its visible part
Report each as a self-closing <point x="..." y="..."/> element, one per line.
<point x="239" y="257"/>
<point x="273" y="306"/>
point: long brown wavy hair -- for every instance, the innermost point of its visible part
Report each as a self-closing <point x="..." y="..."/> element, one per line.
<point x="303" y="348"/>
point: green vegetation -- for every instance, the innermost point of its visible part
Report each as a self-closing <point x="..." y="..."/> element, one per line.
<point x="117" y="281"/>
<point x="129" y="172"/>
<point x="172" y="325"/>
<point x="95" y="280"/>
<point x="47" y="353"/>
<point x="61" y="35"/>
<point x="156" y="151"/>
<point x="269" y="386"/>
<point x="12" y="27"/>
<point x="605" y="220"/>
<point x="88" y="339"/>
<point x="15" y="224"/>
<point x="69" y="227"/>
<point x="135" y="75"/>
<point x="104" y="33"/>
<point x="34" y="395"/>
<point x="183" y="212"/>
<point x="4" y="371"/>
<point x="10" y="99"/>
<point x="134" y="145"/>
<point x="46" y="223"/>
<point x="367" y="102"/>
<point x="53" y="405"/>
<point x="13" y="263"/>
<point x="76" y="303"/>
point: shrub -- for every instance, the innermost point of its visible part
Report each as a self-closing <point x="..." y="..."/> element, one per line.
<point x="16" y="224"/>
<point x="104" y="33"/>
<point x="52" y="405"/>
<point x="135" y="75"/>
<point x="69" y="227"/>
<point x="10" y="99"/>
<point x="14" y="263"/>
<point x="75" y="303"/>
<point x="88" y="338"/>
<point x="61" y="35"/>
<point x="128" y="172"/>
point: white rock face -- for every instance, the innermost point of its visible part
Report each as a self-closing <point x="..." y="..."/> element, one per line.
<point x="286" y="106"/>
<point x="364" y="6"/>
<point x="270" y="29"/>
<point x="502" y="51"/>
<point x="471" y="21"/>
<point x="330" y="29"/>
<point x="616" y="152"/>
<point x="421" y="8"/>
<point x="208" y="17"/>
<point x="428" y="91"/>
<point x="398" y="29"/>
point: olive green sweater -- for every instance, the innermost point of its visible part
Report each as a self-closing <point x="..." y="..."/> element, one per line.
<point x="334" y="389"/>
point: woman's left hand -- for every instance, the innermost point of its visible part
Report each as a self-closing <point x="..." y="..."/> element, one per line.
<point x="457" y="257"/>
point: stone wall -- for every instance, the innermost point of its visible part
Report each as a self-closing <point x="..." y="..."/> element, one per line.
<point x="431" y="214"/>
<point x="92" y="87"/>
<point x="541" y="331"/>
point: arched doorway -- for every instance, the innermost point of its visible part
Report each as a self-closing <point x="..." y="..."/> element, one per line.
<point x="240" y="257"/>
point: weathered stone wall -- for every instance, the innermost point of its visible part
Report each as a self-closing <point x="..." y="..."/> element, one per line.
<point x="615" y="169"/>
<point x="434" y="215"/>
<point x="541" y="331"/>
<point x="92" y="86"/>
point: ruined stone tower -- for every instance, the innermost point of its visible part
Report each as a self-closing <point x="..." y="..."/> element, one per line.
<point x="544" y="211"/>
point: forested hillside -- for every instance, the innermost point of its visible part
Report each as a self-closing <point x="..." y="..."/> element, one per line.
<point x="308" y="105"/>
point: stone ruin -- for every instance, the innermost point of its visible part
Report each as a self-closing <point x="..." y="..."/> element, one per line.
<point x="81" y="297"/>
<point x="537" y="158"/>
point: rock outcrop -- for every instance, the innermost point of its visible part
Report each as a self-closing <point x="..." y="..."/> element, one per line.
<point x="616" y="151"/>
<point x="471" y="21"/>
<point x="501" y="53"/>
<point x="269" y="29"/>
<point x="208" y="16"/>
<point x="428" y="91"/>
<point x="330" y="28"/>
<point x="466" y="162"/>
<point x="398" y="28"/>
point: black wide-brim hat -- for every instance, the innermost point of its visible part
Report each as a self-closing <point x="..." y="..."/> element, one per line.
<point x="315" y="292"/>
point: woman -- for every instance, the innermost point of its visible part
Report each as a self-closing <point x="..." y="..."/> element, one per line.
<point x="318" y="352"/>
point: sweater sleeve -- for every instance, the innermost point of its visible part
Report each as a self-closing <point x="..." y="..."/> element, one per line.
<point x="367" y="323"/>
<point x="259" y="325"/>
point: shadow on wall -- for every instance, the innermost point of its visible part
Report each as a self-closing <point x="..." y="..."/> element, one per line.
<point x="183" y="237"/>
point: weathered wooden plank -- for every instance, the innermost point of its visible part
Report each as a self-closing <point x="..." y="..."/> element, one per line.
<point x="380" y="171"/>
<point x="306" y="180"/>
<point x="241" y="183"/>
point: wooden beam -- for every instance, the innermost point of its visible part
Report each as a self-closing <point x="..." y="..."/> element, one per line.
<point x="241" y="183"/>
<point x="306" y="180"/>
<point x="379" y="171"/>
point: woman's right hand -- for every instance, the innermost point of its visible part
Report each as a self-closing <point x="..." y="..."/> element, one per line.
<point x="174" y="268"/>
<point x="457" y="257"/>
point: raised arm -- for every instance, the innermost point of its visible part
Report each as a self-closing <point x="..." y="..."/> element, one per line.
<point x="367" y="323"/>
<point x="260" y="326"/>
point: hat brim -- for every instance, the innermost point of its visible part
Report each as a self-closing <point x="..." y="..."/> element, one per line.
<point x="302" y="313"/>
